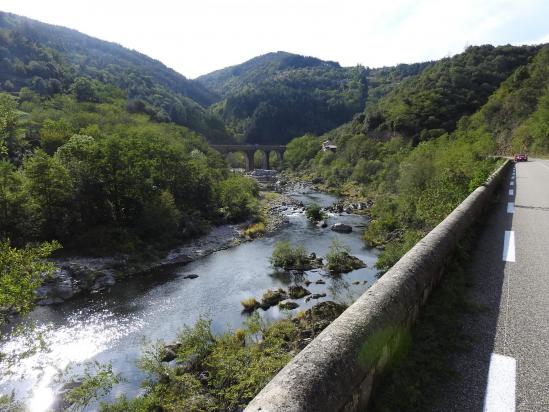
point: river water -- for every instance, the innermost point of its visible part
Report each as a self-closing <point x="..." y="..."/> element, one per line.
<point x="111" y="327"/>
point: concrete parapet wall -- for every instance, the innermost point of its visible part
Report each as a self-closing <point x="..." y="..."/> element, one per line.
<point x="336" y="371"/>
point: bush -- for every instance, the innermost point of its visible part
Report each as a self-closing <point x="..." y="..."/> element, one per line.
<point x="255" y="230"/>
<point x="314" y="212"/>
<point x="339" y="260"/>
<point x="287" y="257"/>
<point x="238" y="198"/>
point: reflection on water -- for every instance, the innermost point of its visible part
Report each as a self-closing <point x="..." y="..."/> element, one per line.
<point x="110" y="327"/>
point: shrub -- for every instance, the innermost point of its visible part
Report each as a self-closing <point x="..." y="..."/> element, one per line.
<point x="255" y="230"/>
<point x="314" y="212"/>
<point x="238" y="198"/>
<point x="287" y="257"/>
<point x="339" y="259"/>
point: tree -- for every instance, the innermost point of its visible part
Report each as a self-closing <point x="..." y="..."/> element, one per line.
<point x="15" y="206"/>
<point x="9" y="121"/>
<point x="50" y="186"/>
<point x="160" y="217"/>
<point x="237" y="196"/>
<point x="84" y="90"/>
<point x="21" y="273"/>
<point x="301" y="150"/>
<point x="54" y="133"/>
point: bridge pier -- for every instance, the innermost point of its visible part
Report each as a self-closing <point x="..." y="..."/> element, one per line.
<point x="249" y="156"/>
<point x="266" y="159"/>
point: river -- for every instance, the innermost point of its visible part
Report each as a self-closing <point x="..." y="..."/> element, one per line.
<point x="112" y="326"/>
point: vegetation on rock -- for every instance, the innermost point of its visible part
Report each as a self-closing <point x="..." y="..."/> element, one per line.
<point x="314" y="212"/>
<point x="249" y="304"/>
<point x="288" y="257"/>
<point x="339" y="259"/>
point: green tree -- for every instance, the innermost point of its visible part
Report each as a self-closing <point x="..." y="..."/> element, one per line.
<point x="9" y="122"/>
<point x="301" y="150"/>
<point x="237" y="196"/>
<point x="53" y="134"/>
<point x="160" y="217"/>
<point x="21" y="273"/>
<point x="84" y="90"/>
<point x="15" y="205"/>
<point x="96" y="382"/>
<point x="50" y="186"/>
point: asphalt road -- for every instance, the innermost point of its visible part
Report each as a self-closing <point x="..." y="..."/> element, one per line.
<point x="508" y="367"/>
<point x="523" y="323"/>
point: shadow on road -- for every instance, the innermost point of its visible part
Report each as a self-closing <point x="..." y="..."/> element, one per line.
<point x="487" y="294"/>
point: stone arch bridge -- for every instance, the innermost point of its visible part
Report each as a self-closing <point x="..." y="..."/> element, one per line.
<point x="249" y="151"/>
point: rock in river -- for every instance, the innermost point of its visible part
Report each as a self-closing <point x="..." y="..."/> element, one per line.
<point x="191" y="276"/>
<point x="289" y="305"/>
<point x="342" y="228"/>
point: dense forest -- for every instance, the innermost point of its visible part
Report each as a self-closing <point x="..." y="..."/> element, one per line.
<point x="49" y="59"/>
<point x="277" y="96"/>
<point x="420" y="159"/>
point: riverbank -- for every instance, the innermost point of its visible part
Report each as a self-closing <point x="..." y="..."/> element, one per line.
<point x="78" y="275"/>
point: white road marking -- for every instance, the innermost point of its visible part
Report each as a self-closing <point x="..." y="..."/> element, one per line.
<point x="512" y="183"/>
<point x="511" y="207"/>
<point x="500" y="391"/>
<point x="509" y="246"/>
<point x="547" y="167"/>
<point x="511" y="192"/>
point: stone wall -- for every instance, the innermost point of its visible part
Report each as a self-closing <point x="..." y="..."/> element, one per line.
<point x="336" y="371"/>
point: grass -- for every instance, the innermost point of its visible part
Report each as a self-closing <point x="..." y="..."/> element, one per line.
<point x="249" y="304"/>
<point x="424" y="359"/>
<point x="255" y="230"/>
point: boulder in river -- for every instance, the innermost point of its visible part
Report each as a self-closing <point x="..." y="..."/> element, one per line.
<point x="316" y="296"/>
<point x="288" y="305"/>
<point x="191" y="276"/>
<point x="342" y="228"/>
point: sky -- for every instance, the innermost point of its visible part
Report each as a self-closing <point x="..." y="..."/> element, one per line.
<point x="195" y="37"/>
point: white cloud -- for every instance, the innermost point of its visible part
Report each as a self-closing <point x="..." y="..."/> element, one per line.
<point x="197" y="36"/>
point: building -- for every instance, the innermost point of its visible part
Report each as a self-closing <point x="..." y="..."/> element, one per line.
<point x="329" y="145"/>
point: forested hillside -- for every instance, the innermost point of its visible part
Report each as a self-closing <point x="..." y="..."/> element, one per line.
<point x="430" y="145"/>
<point x="50" y="60"/>
<point x="431" y="103"/>
<point x="277" y="96"/>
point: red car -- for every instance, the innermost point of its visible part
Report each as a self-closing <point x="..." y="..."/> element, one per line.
<point x="521" y="157"/>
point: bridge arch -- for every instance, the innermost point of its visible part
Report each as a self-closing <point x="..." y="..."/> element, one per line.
<point x="249" y="153"/>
